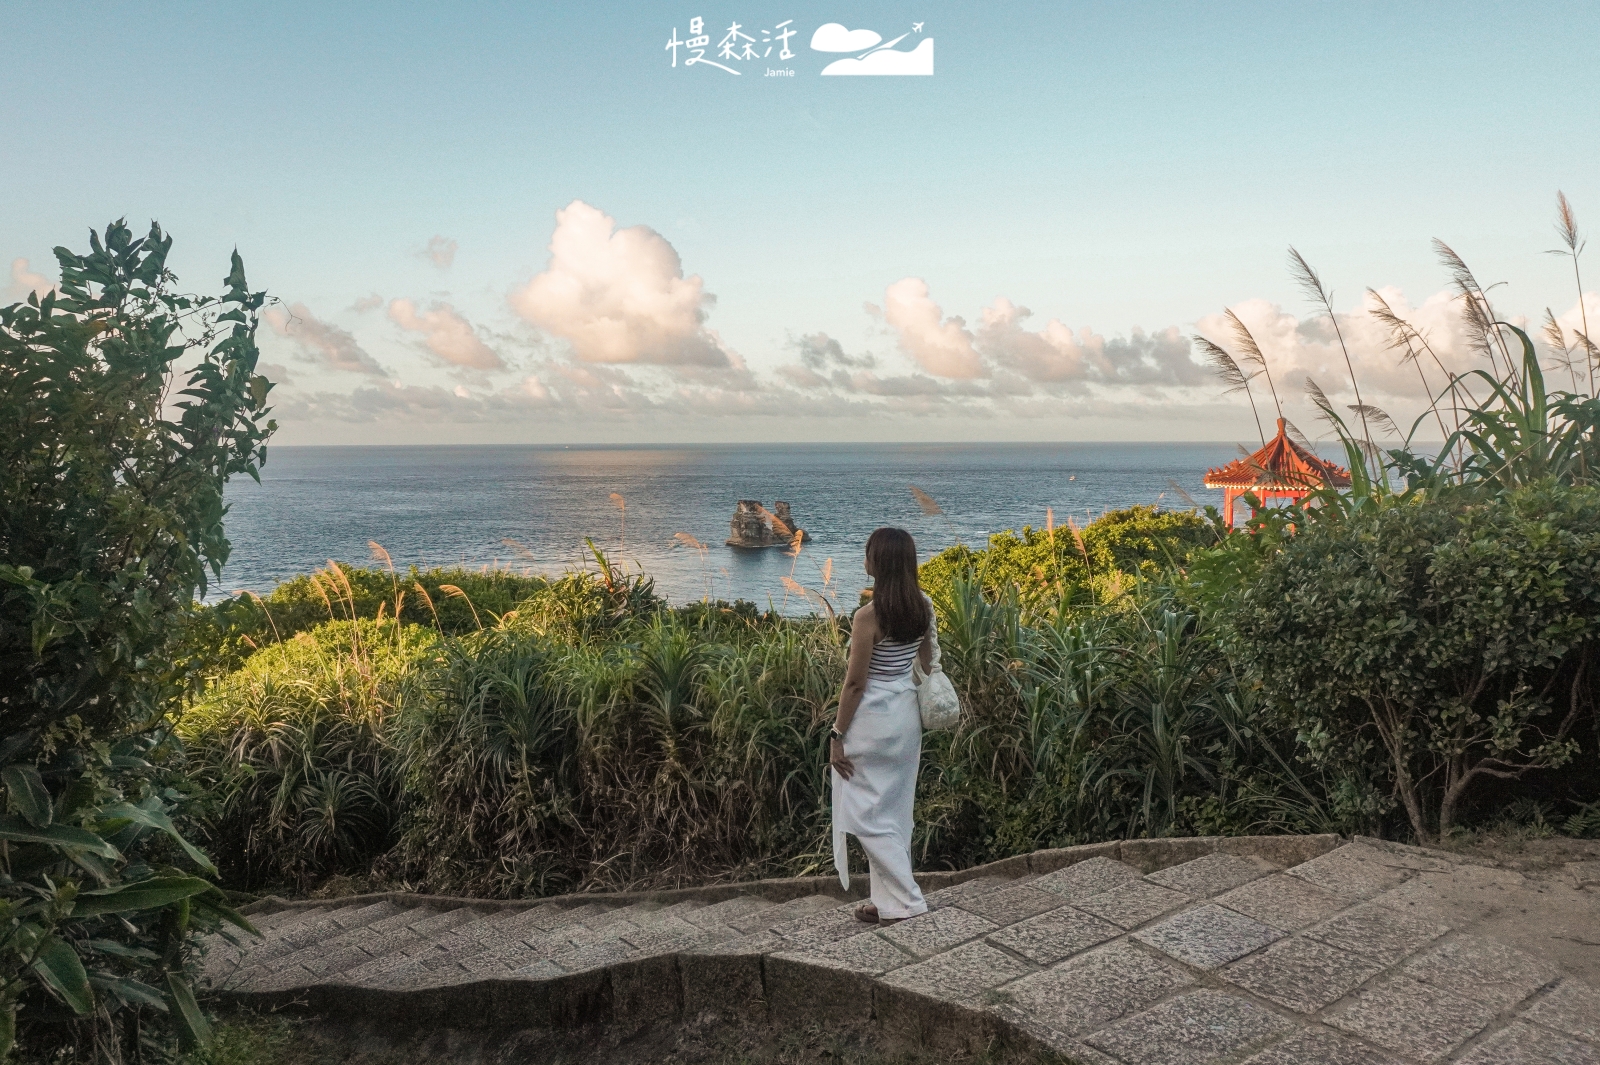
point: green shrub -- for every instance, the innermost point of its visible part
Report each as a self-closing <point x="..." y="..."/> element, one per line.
<point x="1046" y="569"/>
<point x="110" y="517"/>
<point x="1456" y="635"/>
<point x="294" y="750"/>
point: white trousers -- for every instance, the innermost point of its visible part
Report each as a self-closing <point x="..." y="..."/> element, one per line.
<point x="884" y="742"/>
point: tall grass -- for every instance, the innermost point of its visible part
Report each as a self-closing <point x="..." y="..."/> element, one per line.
<point x="588" y="736"/>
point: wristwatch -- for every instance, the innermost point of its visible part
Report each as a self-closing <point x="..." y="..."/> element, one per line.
<point x="836" y="734"/>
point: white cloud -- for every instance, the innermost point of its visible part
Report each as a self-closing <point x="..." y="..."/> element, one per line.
<point x="619" y="295"/>
<point x="363" y="304"/>
<point x="441" y="251"/>
<point x="25" y="280"/>
<point x="446" y="333"/>
<point x="1055" y="355"/>
<point x="1297" y="348"/>
<point x="832" y="37"/>
<point x="888" y="61"/>
<point x="942" y="346"/>
<point x="320" y="342"/>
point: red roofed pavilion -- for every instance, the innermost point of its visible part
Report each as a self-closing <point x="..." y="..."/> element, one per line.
<point x="1281" y="470"/>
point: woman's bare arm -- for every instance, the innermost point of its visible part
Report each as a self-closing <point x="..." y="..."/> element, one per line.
<point x="863" y="634"/>
<point x="925" y="651"/>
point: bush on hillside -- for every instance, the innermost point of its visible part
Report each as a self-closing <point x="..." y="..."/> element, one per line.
<point x="293" y="751"/>
<point x="1068" y="565"/>
<point x="124" y="408"/>
<point x="1456" y="636"/>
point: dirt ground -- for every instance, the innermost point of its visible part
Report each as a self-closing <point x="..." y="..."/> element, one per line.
<point x="1524" y="850"/>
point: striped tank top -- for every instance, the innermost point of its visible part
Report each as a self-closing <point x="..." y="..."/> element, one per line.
<point x="892" y="658"/>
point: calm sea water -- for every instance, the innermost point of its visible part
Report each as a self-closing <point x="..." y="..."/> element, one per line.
<point x="531" y="507"/>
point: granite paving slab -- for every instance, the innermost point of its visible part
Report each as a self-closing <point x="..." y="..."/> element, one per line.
<point x="1080" y="995"/>
<point x="1369" y="954"/>
<point x="1377" y="932"/>
<point x="965" y="891"/>
<point x="1132" y="904"/>
<point x="1195" y="1028"/>
<point x="1316" y="1045"/>
<point x="1208" y="936"/>
<point x="866" y="952"/>
<point x="937" y="930"/>
<point x="1572" y="1008"/>
<point x="1284" y="902"/>
<point x="1055" y="935"/>
<point x="1529" y="1044"/>
<point x="1412" y="1018"/>
<point x="790" y="913"/>
<point x="1481" y="969"/>
<point x="1302" y="974"/>
<point x="1008" y="905"/>
<point x="961" y="974"/>
<point x="722" y="914"/>
<point x="1086" y="878"/>
<point x="1211" y="875"/>
<point x="1354" y="871"/>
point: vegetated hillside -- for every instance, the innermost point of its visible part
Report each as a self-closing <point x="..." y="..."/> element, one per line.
<point x="592" y="736"/>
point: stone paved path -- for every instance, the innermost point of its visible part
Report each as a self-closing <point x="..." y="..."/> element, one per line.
<point x="1369" y="954"/>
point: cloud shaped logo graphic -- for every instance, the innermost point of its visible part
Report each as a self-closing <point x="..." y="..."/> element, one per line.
<point x="887" y="61"/>
<point x="832" y="37"/>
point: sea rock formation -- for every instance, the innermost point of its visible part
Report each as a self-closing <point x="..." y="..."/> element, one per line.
<point x="753" y="525"/>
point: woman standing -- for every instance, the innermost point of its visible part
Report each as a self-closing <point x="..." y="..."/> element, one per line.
<point x="877" y="736"/>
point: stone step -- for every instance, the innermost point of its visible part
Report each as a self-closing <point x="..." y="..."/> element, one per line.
<point x="265" y="922"/>
<point x="383" y="913"/>
<point x="372" y="954"/>
<point x="316" y="925"/>
<point x="1364" y="954"/>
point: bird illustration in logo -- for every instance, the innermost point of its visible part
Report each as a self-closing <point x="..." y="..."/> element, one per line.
<point x="874" y="57"/>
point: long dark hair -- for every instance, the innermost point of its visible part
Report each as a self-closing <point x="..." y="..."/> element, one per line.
<point x="897" y="600"/>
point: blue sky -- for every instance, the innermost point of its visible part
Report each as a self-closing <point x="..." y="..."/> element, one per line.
<point x="1109" y="167"/>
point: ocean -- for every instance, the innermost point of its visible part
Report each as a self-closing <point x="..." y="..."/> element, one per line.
<point x="530" y="508"/>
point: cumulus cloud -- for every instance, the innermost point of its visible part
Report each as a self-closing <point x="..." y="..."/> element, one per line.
<point x="942" y="346"/>
<point x="441" y="251"/>
<point x="820" y="351"/>
<point x="1058" y="355"/>
<point x="363" y="304"/>
<point x="446" y="333"/>
<point x="1017" y="357"/>
<point x="620" y="295"/>
<point x="321" y="342"/>
<point x="1297" y="348"/>
<point x="25" y="280"/>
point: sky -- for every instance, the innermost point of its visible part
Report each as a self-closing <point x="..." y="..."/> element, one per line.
<point x="523" y="223"/>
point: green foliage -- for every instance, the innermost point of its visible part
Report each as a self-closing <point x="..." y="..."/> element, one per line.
<point x="1458" y="635"/>
<point x="1520" y="434"/>
<point x="124" y="408"/>
<point x="293" y="750"/>
<point x="674" y="743"/>
<point x="96" y="917"/>
<point x="110" y="502"/>
<point x="1048" y="568"/>
<point x="552" y="752"/>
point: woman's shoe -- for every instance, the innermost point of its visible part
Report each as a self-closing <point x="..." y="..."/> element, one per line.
<point x="867" y="913"/>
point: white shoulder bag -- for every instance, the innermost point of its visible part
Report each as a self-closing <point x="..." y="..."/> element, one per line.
<point x="936" y="696"/>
